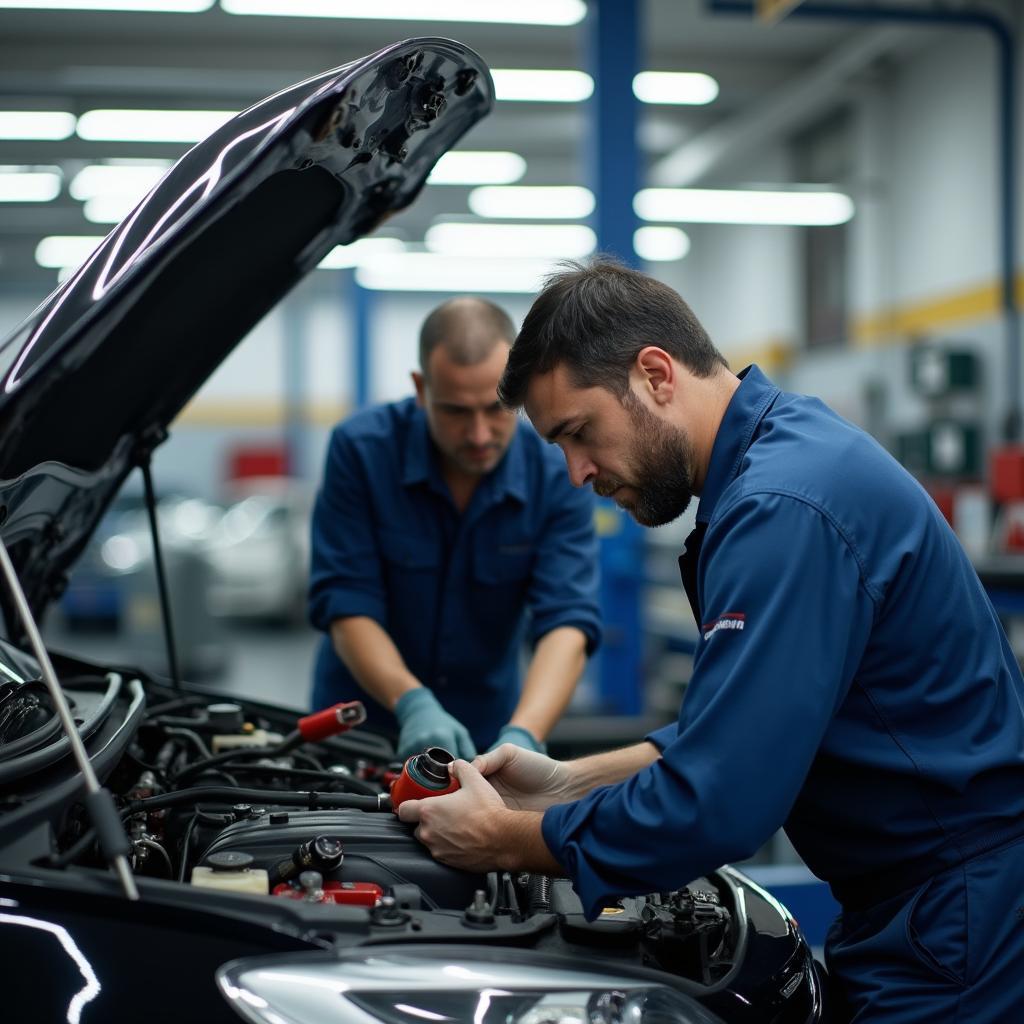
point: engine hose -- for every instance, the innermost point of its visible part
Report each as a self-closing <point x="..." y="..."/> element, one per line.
<point x="193" y="737"/>
<point x="149" y="844"/>
<point x="311" y="799"/>
<point x="239" y="754"/>
<point x="174" y="705"/>
<point x="539" y="894"/>
<point x="62" y="860"/>
<point x="325" y="778"/>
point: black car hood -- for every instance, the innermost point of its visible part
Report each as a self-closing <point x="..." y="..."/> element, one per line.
<point x="89" y="383"/>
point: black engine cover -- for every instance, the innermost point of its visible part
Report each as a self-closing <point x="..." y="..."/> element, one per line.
<point x="378" y="848"/>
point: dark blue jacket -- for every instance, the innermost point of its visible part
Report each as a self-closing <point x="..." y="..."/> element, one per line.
<point x="456" y="593"/>
<point x="851" y="681"/>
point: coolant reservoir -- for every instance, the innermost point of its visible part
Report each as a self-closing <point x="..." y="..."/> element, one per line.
<point x="231" y="871"/>
<point x="250" y="738"/>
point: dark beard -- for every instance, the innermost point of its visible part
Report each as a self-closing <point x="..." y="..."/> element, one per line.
<point x="661" y="464"/>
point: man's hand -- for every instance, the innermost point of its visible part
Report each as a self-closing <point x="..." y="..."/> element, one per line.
<point x="424" y="723"/>
<point x="520" y="737"/>
<point x="464" y="828"/>
<point x="525" y="780"/>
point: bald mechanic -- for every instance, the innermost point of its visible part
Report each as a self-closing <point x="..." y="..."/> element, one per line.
<point x="851" y="682"/>
<point x="444" y="534"/>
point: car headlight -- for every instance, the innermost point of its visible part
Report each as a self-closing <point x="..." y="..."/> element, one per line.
<point x="449" y="986"/>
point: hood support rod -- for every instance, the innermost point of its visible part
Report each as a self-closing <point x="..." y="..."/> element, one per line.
<point x="100" y="804"/>
<point x="145" y="464"/>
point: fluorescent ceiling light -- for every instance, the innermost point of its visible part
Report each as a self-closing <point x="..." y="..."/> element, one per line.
<point x="659" y="244"/>
<point x="532" y="202"/>
<point x="464" y="167"/>
<point x="117" y="179"/>
<point x="541" y="86"/>
<point x="151" y="125"/>
<point x="724" y="206"/>
<point x="677" y="87"/>
<point x="174" y="6"/>
<point x="428" y="272"/>
<point x="36" y="124"/>
<point x="556" y="241"/>
<point x="57" y="251"/>
<point x="523" y="12"/>
<point x="29" y="184"/>
<point x="358" y="252"/>
<point x="111" y="191"/>
<point x="109" y="209"/>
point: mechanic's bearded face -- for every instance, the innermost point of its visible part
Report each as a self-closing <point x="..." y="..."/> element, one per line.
<point x="659" y="484"/>
<point x="470" y="428"/>
<point x="616" y="445"/>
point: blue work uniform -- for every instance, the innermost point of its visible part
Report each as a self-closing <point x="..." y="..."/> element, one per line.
<point x="457" y="593"/>
<point x="853" y="684"/>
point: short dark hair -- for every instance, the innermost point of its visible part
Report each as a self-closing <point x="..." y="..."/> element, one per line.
<point x="468" y="328"/>
<point x="595" y="318"/>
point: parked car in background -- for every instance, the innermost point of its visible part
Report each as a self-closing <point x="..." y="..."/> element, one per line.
<point x="259" y="551"/>
<point x="122" y="547"/>
<point x="94" y="596"/>
<point x="113" y="587"/>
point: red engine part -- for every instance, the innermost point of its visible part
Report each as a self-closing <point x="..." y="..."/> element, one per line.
<point x="351" y="894"/>
<point x="424" y="775"/>
<point x="329" y="722"/>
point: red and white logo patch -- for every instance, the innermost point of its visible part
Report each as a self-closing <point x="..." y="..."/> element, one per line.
<point x="730" y="620"/>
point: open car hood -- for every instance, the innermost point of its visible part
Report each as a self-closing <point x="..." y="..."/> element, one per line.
<point x="89" y="383"/>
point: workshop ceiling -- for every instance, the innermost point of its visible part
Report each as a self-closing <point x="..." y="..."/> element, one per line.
<point x="79" y="60"/>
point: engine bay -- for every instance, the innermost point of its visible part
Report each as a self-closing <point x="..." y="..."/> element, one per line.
<point x="221" y="798"/>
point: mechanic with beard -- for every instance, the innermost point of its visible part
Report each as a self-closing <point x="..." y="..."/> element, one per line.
<point x="851" y="681"/>
<point x="445" y="532"/>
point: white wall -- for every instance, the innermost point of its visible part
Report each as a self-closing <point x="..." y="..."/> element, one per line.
<point x="926" y="230"/>
<point x="739" y="280"/>
<point x="924" y="133"/>
<point x="941" y="180"/>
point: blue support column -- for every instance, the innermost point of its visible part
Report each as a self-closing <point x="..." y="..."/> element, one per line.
<point x="294" y="356"/>
<point x="362" y="357"/>
<point x="614" y="58"/>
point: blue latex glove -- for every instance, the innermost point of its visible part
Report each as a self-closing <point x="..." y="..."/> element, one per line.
<point x="424" y="723"/>
<point x="520" y="737"/>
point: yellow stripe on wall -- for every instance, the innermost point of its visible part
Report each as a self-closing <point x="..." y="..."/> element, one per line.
<point x="903" y="323"/>
<point x="896" y="326"/>
<point x="248" y="412"/>
<point x="771" y="355"/>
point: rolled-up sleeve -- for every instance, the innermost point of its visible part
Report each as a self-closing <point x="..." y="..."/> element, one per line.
<point x="787" y="618"/>
<point x="345" y="568"/>
<point x="563" y="589"/>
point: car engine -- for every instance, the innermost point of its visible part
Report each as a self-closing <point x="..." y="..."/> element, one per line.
<point x="224" y="798"/>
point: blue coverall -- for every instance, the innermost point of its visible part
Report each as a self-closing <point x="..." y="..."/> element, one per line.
<point x="853" y="684"/>
<point x="457" y="593"/>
